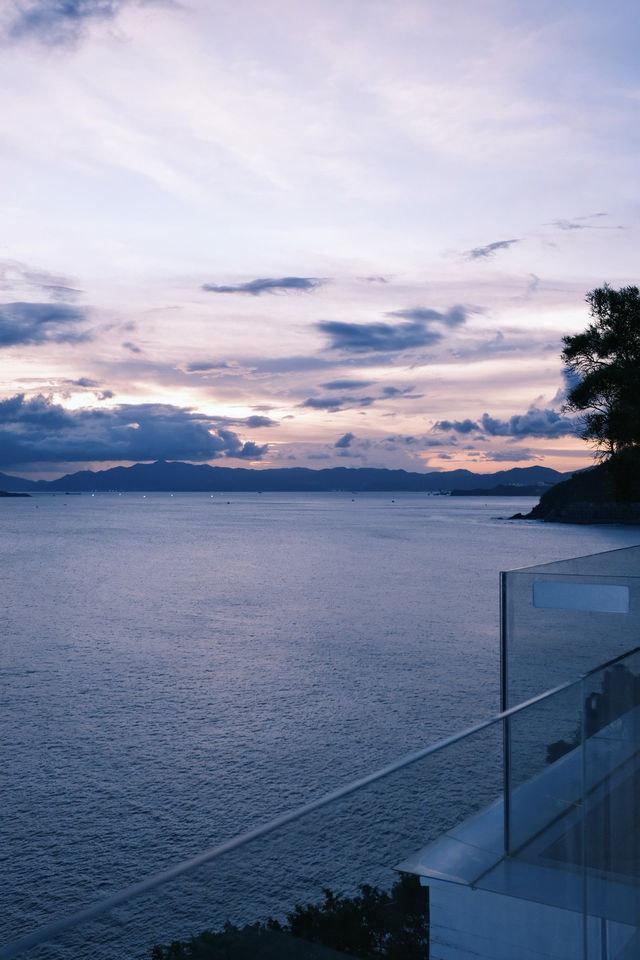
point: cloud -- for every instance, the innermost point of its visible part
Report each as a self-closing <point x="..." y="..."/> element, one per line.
<point x="85" y="382"/>
<point x="234" y="447"/>
<point x="453" y="317"/>
<point x="577" y="224"/>
<point x="128" y="345"/>
<point x="377" y="337"/>
<point x="23" y="323"/>
<point x="490" y="250"/>
<point x="444" y="442"/>
<point x="66" y="387"/>
<point x="60" y="293"/>
<point x="58" y="22"/>
<point x="569" y="225"/>
<point x="204" y="366"/>
<point x="396" y="439"/>
<point x="458" y="426"/>
<point x="398" y="392"/>
<point x="286" y="364"/>
<point x="255" y="421"/>
<point x="345" y="441"/>
<point x="512" y="455"/>
<point x="62" y="23"/>
<point x="37" y="430"/>
<point x="382" y="337"/>
<point x="533" y="423"/>
<point x="533" y="282"/>
<point x="336" y="403"/>
<point x="15" y="274"/>
<point x="346" y="384"/>
<point x="505" y="341"/>
<point x="266" y="285"/>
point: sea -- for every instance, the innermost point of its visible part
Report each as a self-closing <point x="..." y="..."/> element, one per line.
<point x="178" y="669"/>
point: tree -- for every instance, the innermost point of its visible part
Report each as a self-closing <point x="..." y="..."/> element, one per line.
<point x="606" y="361"/>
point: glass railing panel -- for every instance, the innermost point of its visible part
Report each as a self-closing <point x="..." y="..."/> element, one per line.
<point x="544" y="767"/>
<point x="544" y="791"/>
<point x="557" y="626"/>
<point x="362" y="838"/>
<point x="572" y="800"/>
<point x="611" y="826"/>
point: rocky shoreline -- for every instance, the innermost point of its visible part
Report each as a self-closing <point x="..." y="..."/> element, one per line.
<point x="586" y="512"/>
<point x="587" y="497"/>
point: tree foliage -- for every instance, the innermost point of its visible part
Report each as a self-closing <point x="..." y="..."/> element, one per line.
<point x="374" y="923"/>
<point x="605" y="360"/>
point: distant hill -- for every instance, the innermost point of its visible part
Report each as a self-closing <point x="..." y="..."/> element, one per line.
<point x="16" y="483"/>
<point x="175" y="476"/>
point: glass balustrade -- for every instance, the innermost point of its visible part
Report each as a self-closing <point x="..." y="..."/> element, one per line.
<point x="538" y="804"/>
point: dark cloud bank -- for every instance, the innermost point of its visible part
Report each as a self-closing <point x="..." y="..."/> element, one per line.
<point x="533" y="423"/>
<point x="37" y="430"/>
<point x="33" y="323"/>
<point x="382" y="337"/>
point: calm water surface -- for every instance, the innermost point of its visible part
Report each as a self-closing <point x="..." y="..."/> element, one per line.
<point x="179" y="668"/>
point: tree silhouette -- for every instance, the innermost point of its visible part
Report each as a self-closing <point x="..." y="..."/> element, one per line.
<point x="606" y="361"/>
<point x="373" y="924"/>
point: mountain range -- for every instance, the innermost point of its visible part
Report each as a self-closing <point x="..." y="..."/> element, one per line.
<point x="176" y="476"/>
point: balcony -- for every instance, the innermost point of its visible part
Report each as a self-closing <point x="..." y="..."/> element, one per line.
<point x="552" y="868"/>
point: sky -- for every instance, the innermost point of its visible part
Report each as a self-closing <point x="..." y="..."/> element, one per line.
<point x="266" y="233"/>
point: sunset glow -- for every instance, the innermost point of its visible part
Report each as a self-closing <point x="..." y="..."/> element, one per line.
<point x="254" y="229"/>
